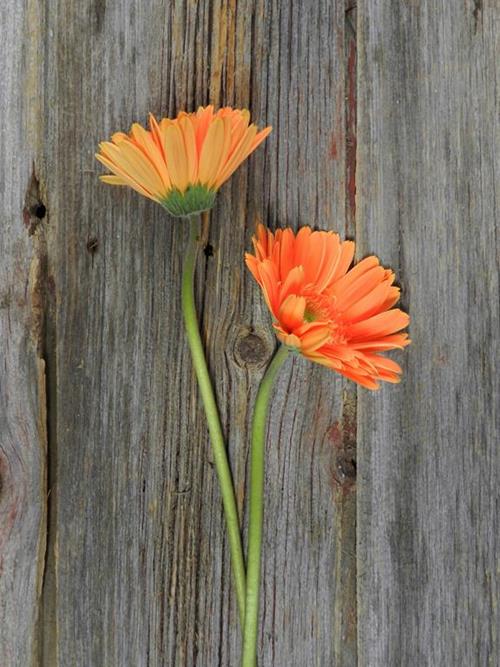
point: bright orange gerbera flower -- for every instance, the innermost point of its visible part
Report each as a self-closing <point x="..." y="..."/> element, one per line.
<point x="181" y="163"/>
<point x="334" y="316"/>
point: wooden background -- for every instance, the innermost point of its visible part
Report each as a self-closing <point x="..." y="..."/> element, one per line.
<point x="112" y="547"/>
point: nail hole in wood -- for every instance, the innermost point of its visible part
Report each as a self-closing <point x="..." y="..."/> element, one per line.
<point x="39" y="211"/>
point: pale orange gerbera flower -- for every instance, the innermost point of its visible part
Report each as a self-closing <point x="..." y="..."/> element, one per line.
<point x="181" y="163"/>
<point x="337" y="317"/>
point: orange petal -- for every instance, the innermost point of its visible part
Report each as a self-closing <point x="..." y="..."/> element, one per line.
<point x="288" y="339"/>
<point x="286" y="252"/>
<point x="291" y="312"/>
<point x="293" y="282"/>
<point x="240" y="153"/>
<point x="145" y="141"/>
<point x="131" y="174"/>
<point x="211" y="153"/>
<point x="313" y="256"/>
<point x="320" y="357"/>
<point x="343" y="282"/>
<point x="301" y="248"/>
<point x="269" y="283"/>
<point x="378" y="325"/>
<point x="383" y="363"/>
<point x="113" y="180"/>
<point x="238" y="129"/>
<point x="188" y="135"/>
<point x="253" y="266"/>
<point x="204" y="119"/>
<point x="259" y="138"/>
<point x="379" y="299"/>
<point x="316" y="336"/>
<point x="344" y="260"/>
<point x="175" y="155"/>
<point x="117" y="137"/>
<point x="156" y="134"/>
<point x="363" y="380"/>
<point x="332" y="256"/>
<point x="395" y="341"/>
<point x="358" y="288"/>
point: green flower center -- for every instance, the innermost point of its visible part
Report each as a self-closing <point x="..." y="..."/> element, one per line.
<point x="309" y="315"/>
<point x="322" y="307"/>
<point x="196" y="199"/>
<point x="318" y="307"/>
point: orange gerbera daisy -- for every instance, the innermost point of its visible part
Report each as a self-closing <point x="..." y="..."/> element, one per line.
<point x="337" y="317"/>
<point x="181" y="163"/>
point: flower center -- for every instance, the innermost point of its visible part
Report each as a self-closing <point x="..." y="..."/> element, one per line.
<point x="320" y="307"/>
<point x="310" y="315"/>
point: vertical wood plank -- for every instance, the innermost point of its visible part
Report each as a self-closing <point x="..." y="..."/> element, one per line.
<point x="429" y="466"/>
<point x="22" y="364"/>
<point x="140" y="567"/>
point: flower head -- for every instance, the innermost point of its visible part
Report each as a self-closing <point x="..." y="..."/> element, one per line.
<point x="336" y="316"/>
<point x="181" y="163"/>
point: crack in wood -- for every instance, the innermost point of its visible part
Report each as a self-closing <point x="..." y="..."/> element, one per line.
<point x="33" y="214"/>
<point x="477" y="13"/>
<point x="41" y="291"/>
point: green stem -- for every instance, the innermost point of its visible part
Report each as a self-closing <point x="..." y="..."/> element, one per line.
<point x="250" y="632"/>
<point x="214" y="427"/>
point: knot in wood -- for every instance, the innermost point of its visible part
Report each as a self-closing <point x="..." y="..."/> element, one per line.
<point x="251" y="350"/>
<point x="345" y="468"/>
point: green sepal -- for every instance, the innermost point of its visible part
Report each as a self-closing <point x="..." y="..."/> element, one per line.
<point x="196" y="199"/>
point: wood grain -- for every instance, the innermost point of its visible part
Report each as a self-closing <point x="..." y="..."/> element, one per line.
<point x="429" y="462"/>
<point x="22" y="374"/>
<point x="112" y="545"/>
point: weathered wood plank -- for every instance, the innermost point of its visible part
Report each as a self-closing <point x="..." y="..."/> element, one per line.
<point x="429" y="466"/>
<point x="137" y="568"/>
<point x="140" y="565"/>
<point x="22" y="374"/>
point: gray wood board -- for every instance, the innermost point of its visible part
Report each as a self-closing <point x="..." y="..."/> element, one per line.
<point x="22" y="369"/>
<point x="138" y="566"/>
<point x="429" y="466"/>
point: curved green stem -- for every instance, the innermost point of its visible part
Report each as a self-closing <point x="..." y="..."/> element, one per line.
<point x="214" y="427"/>
<point x="251" y="628"/>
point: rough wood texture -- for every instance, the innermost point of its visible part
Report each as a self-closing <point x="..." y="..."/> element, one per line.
<point x="94" y="364"/>
<point x="22" y="372"/>
<point x="429" y="457"/>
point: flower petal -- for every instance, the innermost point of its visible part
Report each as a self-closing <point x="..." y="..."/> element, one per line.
<point x="291" y="312"/>
<point x="378" y="325"/>
<point x="175" y="155"/>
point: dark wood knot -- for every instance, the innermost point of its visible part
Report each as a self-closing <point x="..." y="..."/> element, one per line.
<point x="251" y="349"/>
